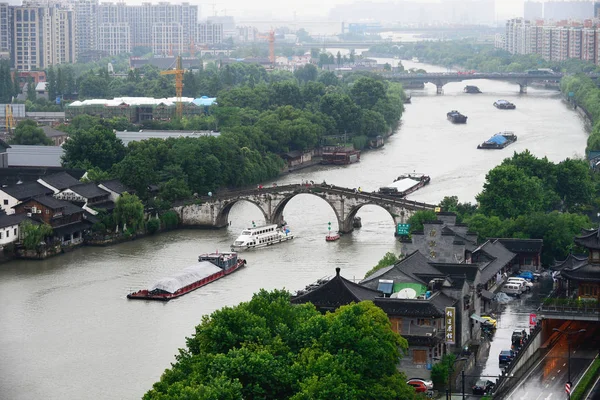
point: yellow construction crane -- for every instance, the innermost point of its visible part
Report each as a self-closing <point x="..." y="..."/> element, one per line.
<point x="10" y="121"/>
<point x="271" y="39"/>
<point x="178" y="72"/>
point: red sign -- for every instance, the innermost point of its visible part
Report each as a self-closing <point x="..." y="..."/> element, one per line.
<point x="532" y="319"/>
<point x="568" y="388"/>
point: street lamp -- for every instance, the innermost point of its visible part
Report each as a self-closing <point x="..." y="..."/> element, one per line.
<point x="450" y="370"/>
<point x="568" y="334"/>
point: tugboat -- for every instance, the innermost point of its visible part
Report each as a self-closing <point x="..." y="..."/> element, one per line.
<point x="504" y="105"/>
<point x="405" y="185"/>
<point x="498" y="141"/>
<point x="456" y="117"/>
<point x="210" y="267"/>
<point x="471" y="89"/>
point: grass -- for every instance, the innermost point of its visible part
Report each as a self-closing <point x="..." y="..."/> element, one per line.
<point x="586" y="381"/>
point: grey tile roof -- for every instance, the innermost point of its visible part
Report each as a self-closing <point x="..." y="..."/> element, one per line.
<point x="89" y="190"/>
<point x="116" y="186"/>
<point x="432" y="307"/>
<point x="60" y="181"/>
<point x="410" y="266"/>
<point x="469" y="271"/>
<point x="523" y="245"/>
<point x="13" y="219"/>
<point x="572" y="261"/>
<point x="584" y="273"/>
<point x="26" y="190"/>
<point x="498" y="255"/>
<point x="51" y="132"/>
<point x="590" y="239"/>
<point x="56" y="204"/>
<point x="34" y="156"/>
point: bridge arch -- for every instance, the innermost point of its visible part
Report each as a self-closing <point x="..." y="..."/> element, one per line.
<point x="223" y="215"/>
<point x="349" y="220"/>
<point x="277" y="216"/>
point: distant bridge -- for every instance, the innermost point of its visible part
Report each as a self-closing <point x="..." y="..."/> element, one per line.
<point x="271" y="201"/>
<point x="441" y="78"/>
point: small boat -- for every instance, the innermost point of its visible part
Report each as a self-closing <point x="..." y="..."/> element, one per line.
<point x="261" y="236"/>
<point x="332" y="238"/>
<point x="407" y="99"/>
<point x="415" y="60"/>
<point x="210" y="267"/>
<point x="504" y="105"/>
<point x="456" y="117"/>
<point x="405" y="185"/>
<point x="498" y="141"/>
<point x="471" y="89"/>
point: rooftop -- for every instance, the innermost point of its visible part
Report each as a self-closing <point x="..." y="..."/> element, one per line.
<point x="51" y="132"/>
<point x="13" y="219"/>
<point x="142" y="101"/>
<point x="34" y="156"/>
<point x="115" y="185"/>
<point x="60" y="181"/>
<point x="89" y="190"/>
<point x="26" y="190"/>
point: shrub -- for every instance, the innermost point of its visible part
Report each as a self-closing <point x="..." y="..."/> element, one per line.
<point x="153" y="225"/>
<point x="169" y="220"/>
<point x="98" y="227"/>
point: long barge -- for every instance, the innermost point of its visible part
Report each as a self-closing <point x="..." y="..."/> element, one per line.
<point x="210" y="267"/>
<point x="405" y="185"/>
<point x="456" y="118"/>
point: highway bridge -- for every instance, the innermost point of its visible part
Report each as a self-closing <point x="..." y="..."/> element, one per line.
<point x="214" y="211"/>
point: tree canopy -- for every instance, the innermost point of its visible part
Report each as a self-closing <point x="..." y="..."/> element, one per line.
<point x="269" y="349"/>
<point x="28" y="133"/>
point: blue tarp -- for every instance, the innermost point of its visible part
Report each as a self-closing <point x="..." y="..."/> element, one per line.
<point x="204" y="101"/>
<point x="497" y="139"/>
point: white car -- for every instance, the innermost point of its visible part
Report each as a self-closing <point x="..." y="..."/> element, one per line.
<point x="524" y="282"/>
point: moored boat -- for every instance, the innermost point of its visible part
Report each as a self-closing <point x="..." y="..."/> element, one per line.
<point x="210" y="267"/>
<point x="332" y="238"/>
<point x="498" y="141"/>
<point x="405" y="185"/>
<point x="504" y="105"/>
<point x="456" y="117"/>
<point x="471" y="89"/>
<point x="261" y="236"/>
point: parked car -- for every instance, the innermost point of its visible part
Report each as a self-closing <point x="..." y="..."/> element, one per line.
<point x="528" y="285"/>
<point x="506" y="356"/>
<point x="483" y="387"/>
<point x="420" y="386"/>
<point x="490" y="320"/>
<point x="517" y="337"/>
<point x="427" y="383"/>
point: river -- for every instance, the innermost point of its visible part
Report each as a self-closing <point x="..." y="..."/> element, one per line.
<point x="68" y="332"/>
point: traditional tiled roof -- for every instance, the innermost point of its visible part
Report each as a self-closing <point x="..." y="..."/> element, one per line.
<point x="89" y="190"/>
<point x="60" y="181"/>
<point x="433" y="307"/>
<point x="13" y="219"/>
<point x="468" y="271"/>
<point x="26" y="191"/>
<point x="116" y="186"/>
<point x="51" y="132"/>
<point x="522" y="245"/>
<point x="583" y="273"/>
<point x="572" y="261"/>
<point x="413" y="264"/>
<point x="336" y="292"/>
<point x="590" y="239"/>
<point x="497" y="254"/>
<point x="55" y="204"/>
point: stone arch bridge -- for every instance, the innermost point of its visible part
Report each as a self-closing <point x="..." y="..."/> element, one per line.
<point x="345" y="202"/>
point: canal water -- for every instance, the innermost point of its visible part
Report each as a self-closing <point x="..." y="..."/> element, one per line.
<point x="68" y="332"/>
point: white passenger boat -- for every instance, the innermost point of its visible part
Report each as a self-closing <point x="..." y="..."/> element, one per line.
<point x="261" y="236"/>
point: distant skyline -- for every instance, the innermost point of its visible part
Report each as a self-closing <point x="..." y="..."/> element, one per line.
<point x="265" y="10"/>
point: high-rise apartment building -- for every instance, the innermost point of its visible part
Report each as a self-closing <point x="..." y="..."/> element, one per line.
<point x="209" y="33"/>
<point x="116" y="38"/>
<point x="86" y="25"/>
<point x="4" y="28"/>
<point x="167" y="39"/>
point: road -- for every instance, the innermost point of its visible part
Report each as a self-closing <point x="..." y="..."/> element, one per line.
<point x="547" y="379"/>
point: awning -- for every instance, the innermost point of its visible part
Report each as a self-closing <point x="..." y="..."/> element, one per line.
<point x="486" y="294"/>
<point x="478" y="318"/>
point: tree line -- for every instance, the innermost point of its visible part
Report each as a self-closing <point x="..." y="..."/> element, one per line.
<point x="530" y="197"/>
<point x="585" y="93"/>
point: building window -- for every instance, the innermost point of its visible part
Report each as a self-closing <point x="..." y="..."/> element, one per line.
<point x="7" y="234"/>
<point x="15" y="232"/>
<point x="423" y="322"/>
<point x="1" y="234"/>
<point x="5" y="202"/>
<point x="47" y="211"/>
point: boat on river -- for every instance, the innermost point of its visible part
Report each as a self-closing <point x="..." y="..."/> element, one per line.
<point x="456" y="117"/>
<point x="415" y="60"/>
<point x="471" y="89"/>
<point x="498" y="141"/>
<point x="210" y="267"/>
<point x="504" y="105"/>
<point x="332" y="237"/>
<point x="405" y="185"/>
<point x="261" y="236"/>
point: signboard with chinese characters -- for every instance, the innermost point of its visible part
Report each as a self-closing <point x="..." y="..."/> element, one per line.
<point x="450" y="316"/>
<point x="402" y="229"/>
<point x="532" y="320"/>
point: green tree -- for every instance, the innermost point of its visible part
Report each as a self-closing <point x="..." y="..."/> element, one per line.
<point x="509" y="192"/>
<point x="268" y="348"/>
<point x="387" y="260"/>
<point x="34" y="235"/>
<point x="28" y="133"/>
<point x="174" y="189"/>
<point x="306" y="73"/>
<point x="366" y="92"/>
<point x="51" y="87"/>
<point x="95" y="147"/>
<point x="31" y="93"/>
<point x="129" y="212"/>
<point x="574" y="183"/>
<point x="418" y="218"/>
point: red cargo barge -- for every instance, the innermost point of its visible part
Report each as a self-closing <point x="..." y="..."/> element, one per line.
<point x="210" y="267"/>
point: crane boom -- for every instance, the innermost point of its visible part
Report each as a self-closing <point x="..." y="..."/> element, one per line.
<point x="178" y="72"/>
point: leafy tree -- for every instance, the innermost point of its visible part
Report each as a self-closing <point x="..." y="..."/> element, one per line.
<point x="34" y="235"/>
<point x="387" y="260"/>
<point x="51" y="87"/>
<point x="28" y="133"/>
<point x="366" y="92"/>
<point x="306" y="73"/>
<point x="462" y="210"/>
<point x="418" y="218"/>
<point x="129" y="211"/>
<point x="31" y="94"/>
<point x="95" y="147"/>
<point x="574" y="183"/>
<point x="509" y="192"/>
<point x="268" y="348"/>
<point x="174" y="189"/>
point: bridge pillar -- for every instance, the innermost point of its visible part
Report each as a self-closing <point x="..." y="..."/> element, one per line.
<point x="439" y="88"/>
<point x="523" y="87"/>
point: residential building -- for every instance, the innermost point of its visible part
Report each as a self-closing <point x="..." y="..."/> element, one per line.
<point x="57" y="137"/>
<point x="5" y="34"/>
<point x="86" y="25"/>
<point x="227" y="22"/>
<point x="12" y="195"/>
<point x="115" y="38"/>
<point x="210" y="33"/>
<point x="34" y="156"/>
<point x="167" y="39"/>
<point x="88" y="195"/>
<point x="10" y="227"/>
<point x="528" y="251"/>
<point x="66" y="219"/>
<point x="115" y="189"/>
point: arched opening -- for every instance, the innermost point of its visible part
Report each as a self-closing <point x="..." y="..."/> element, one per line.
<point x="374" y="217"/>
<point x="240" y="213"/>
<point x="307" y="213"/>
